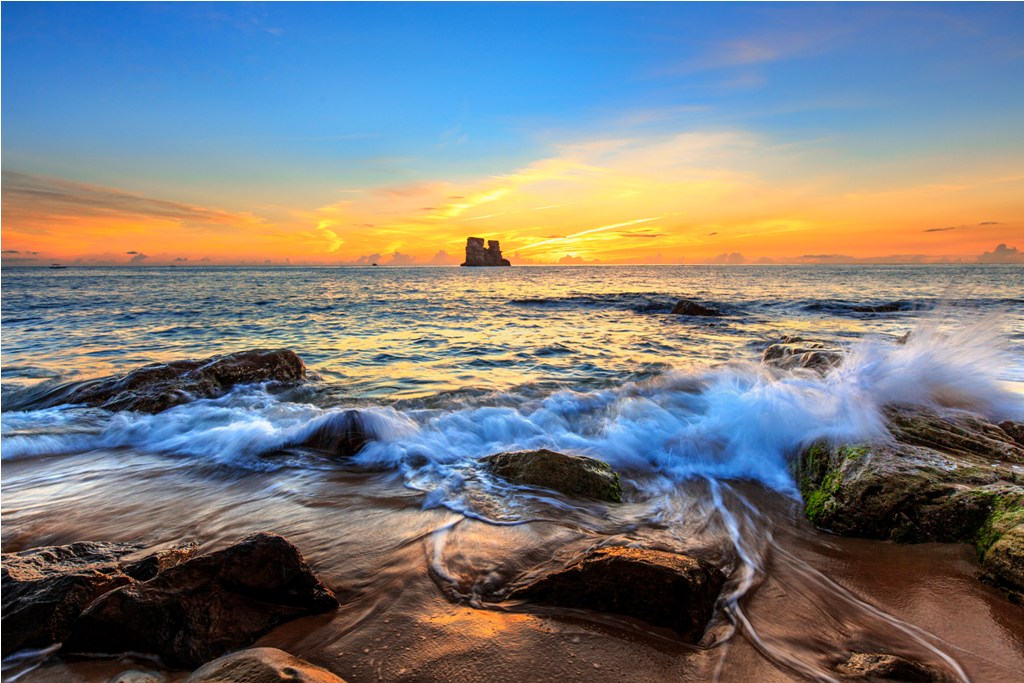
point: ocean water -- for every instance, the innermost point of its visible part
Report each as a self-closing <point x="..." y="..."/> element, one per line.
<point x="452" y="364"/>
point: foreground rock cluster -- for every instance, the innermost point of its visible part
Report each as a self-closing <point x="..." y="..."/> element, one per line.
<point x="97" y="598"/>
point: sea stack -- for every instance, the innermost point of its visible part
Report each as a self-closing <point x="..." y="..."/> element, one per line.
<point x="476" y="255"/>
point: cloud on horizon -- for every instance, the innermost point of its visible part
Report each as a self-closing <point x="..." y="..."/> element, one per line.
<point x="735" y="257"/>
<point x="1002" y="254"/>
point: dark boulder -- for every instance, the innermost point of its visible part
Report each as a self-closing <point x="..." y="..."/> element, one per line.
<point x="156" y="387"/>
<point x="573" y="475"/>
<point x="687" y="307"/>
<point x="206" y="606"/>
<point x="886" y="667"/>
<point x="261" y="665"/>
<point x="343" y="433"/>
<point x="660" y="588"/>
<point x="793" y="353"/>
<point x="45" y="589"/>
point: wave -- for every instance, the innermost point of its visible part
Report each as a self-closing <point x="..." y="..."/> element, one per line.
<point x="735" y="421"/>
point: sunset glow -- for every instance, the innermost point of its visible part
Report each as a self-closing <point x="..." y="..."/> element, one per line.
<point x="324" y="134"/>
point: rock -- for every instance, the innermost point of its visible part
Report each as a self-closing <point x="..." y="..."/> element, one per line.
<point x="946" y="477"/>
<point x="45" y="589"/>
<point x="261" y="665"/>
<point x="204" y="607"/>
<point x="887" y="667"/>
<point x="156" y="387"/>
<point x="793" y="352"/>
<point x="135" y="676"/>
<point x="687" y="307"/>
<point x="476" y="255"/>
<point x="660" y="588"/>
<point x="573" y="475"/>
<point x="890" y="307"/>
<point x="341" y="434"/>
<point x="1000" y="544"/>
<point x="1015" y="430"/>
<point x="955" y="432"/>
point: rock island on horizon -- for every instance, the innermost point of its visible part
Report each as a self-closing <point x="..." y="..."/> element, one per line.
<point x="476" y="255"/>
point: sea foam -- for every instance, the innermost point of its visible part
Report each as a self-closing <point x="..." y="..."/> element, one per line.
<point x="734" y="421"/>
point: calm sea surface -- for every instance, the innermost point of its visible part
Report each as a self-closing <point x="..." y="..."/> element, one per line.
<point x="409" y="332"/>
<point x="452" y="364"/>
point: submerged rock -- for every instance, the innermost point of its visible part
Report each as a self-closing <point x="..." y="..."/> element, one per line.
<point x="573" y="475"/>
<point x="687" y="307"/>
<point x="341" y="434"/>
<point x="660" y="588"/>
<point x="45" y="589"/>
<point x="261" y="665"/>
<point x="156" y="387"/>
<point x="206" y="606"/>
<point x="793" y="352"/>
<point x="886" y="667"/>
<point x="943" y="477"/>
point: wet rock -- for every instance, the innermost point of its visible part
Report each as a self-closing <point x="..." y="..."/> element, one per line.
<point x="204" y="607"/>
<point x="792" y="353"/>
<point x="573" y="475"/>
<point x="886" y="667"/>
<point x="1015" y="430"/>
<point x="261" y="665"/>
<point x="956" y="432"/>
<point x="889" y="307"/>
<point x="1000" y="544"/>
<point x="156" y="387"/>
<point x="687" y="307"/>
<point x="135" y="676"/>
<point x="946" y="477"/>
<point x="342" y="434"/>
<point x="660" y="588"/>
<point x="45" y="589"/>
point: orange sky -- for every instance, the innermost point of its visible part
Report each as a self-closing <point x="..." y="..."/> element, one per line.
<point x="684" y="198"/>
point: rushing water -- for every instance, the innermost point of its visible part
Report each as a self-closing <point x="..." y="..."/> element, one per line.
<point x="452" y="364"/>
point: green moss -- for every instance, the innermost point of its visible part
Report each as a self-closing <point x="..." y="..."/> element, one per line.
<point x="853" y="452"/>
<point x="1007" y="512"/>
<point x="816" y="502"/>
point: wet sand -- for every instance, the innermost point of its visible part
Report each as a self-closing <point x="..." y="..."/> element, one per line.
<point x="418" y="586"/>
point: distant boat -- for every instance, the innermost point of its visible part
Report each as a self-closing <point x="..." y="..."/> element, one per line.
<point x="373" y="264"/>
<point x="56" y="266"/>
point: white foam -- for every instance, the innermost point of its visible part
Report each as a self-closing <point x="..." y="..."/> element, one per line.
<point x="734" y="421"/>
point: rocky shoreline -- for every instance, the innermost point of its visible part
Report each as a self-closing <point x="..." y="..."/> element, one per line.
<point x="942" y="475"/>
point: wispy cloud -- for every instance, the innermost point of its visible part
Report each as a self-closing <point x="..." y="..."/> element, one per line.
<point x="33" y="198"/>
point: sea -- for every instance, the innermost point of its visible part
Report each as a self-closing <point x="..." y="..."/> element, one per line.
<point x="451" y="364"/>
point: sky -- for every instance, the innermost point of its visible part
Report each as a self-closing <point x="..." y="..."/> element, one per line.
<point x="353" y="133"/>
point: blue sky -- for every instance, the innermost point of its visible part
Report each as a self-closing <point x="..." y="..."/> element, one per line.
<point x="293" y="104"/>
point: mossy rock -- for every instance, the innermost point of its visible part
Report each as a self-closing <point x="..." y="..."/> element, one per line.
<point x="573" y="475"/>
<point x="942" y="477"/>
<point x="1000" y="542"/>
